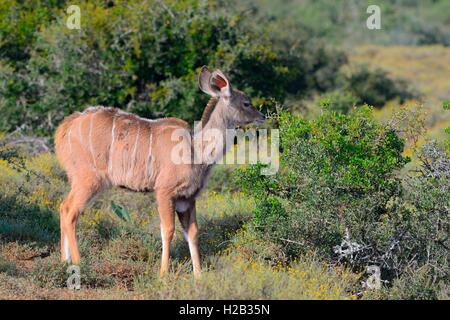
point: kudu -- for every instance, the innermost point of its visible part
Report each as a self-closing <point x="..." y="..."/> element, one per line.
<point x="103" y="147"/>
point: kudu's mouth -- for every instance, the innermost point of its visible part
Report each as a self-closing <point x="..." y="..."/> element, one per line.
<point x="260" y="121"/>
<point x="252" y="122"/>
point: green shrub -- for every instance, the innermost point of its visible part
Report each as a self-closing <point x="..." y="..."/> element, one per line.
<point x="424" y="218"/>
<point x="342" y="198"/>
<point x="144" y="57"/>
<point x="269" y="211"/>
<point x="375" y="88"/>
<point x="336" y="177"/>
<point x="338" y="101"/>
<point x="19" y="23"/>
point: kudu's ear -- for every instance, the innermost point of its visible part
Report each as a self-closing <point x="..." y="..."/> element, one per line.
<point x="215" y="84"/>
<point x="220" y="81"/>
<point x="204" y="82"/>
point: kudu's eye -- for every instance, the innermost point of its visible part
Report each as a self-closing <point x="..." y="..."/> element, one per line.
<point x="247" y="104"/>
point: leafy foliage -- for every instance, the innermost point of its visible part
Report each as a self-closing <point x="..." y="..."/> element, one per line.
<point x="375" y="88"/>
<point x="19" y="21"/>
<point x="144" y="57"/>
<point x="337" y="193"/>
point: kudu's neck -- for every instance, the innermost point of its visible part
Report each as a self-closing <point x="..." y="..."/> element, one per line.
<point x="210" y="134"/>
<point x="214" y="117"/>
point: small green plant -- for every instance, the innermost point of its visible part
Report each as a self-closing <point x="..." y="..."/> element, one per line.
<point x="122" y="212"/>
<point x="446" y="105"/>
<point x="268" y="212"/>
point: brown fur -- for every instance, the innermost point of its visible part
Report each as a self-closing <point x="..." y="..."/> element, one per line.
<point x="208" y="110"/>
<point x="103" y="147"/>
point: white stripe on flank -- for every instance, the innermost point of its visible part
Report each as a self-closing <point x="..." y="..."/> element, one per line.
<point x="149" y="155"/>
<point x="91" y="148"/>
<point x="133" y="157"/>
<point x="111" y="149"/>
<point x="69" y="140"/>
<point x="152" y="169"/>
<point x="79" y="131"/>
<point x="67" y="256"/>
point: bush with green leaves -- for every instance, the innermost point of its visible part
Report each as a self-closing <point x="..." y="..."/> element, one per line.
<point x="19" y="23"/>
<point x="421" y="214"/>
<point x="337" y="193"/>
<point x="340" y="101"/>
<point x="375" y="87"/>
<point x="144" y="57"/>
<point x="333" y="167"/>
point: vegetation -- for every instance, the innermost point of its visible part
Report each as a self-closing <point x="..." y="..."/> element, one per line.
<point x="122" y="258"/>
<point x="337" y="194"/>
<point x="364" y="173"/>
<point x="405" y="22"/>
<point x="144" y="57"/>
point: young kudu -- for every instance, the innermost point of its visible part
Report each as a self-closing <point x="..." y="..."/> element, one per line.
<point x="104" y="147"/>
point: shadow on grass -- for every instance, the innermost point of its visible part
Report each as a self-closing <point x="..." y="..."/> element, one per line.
<point x="26" y="222"/>
<point x="215" y="235"/>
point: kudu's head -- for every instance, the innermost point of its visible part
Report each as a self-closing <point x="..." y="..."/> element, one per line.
<point x="237" y="106"/>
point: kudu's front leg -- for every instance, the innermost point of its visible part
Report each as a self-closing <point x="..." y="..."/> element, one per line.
<point x="166" y="211"/>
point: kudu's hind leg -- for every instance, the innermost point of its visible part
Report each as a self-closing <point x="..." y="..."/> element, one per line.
<point x="187" y="216"/>
<point x="65" y="251"/>
<point x="70" y="209"/>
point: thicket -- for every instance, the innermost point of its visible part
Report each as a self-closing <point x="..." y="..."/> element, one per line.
<point x="143" y="56"/>
<point x="338" y="193"/>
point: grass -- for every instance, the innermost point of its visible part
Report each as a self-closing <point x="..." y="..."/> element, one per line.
<point x="121" y="259"/>
<point x="426" y="68"/>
